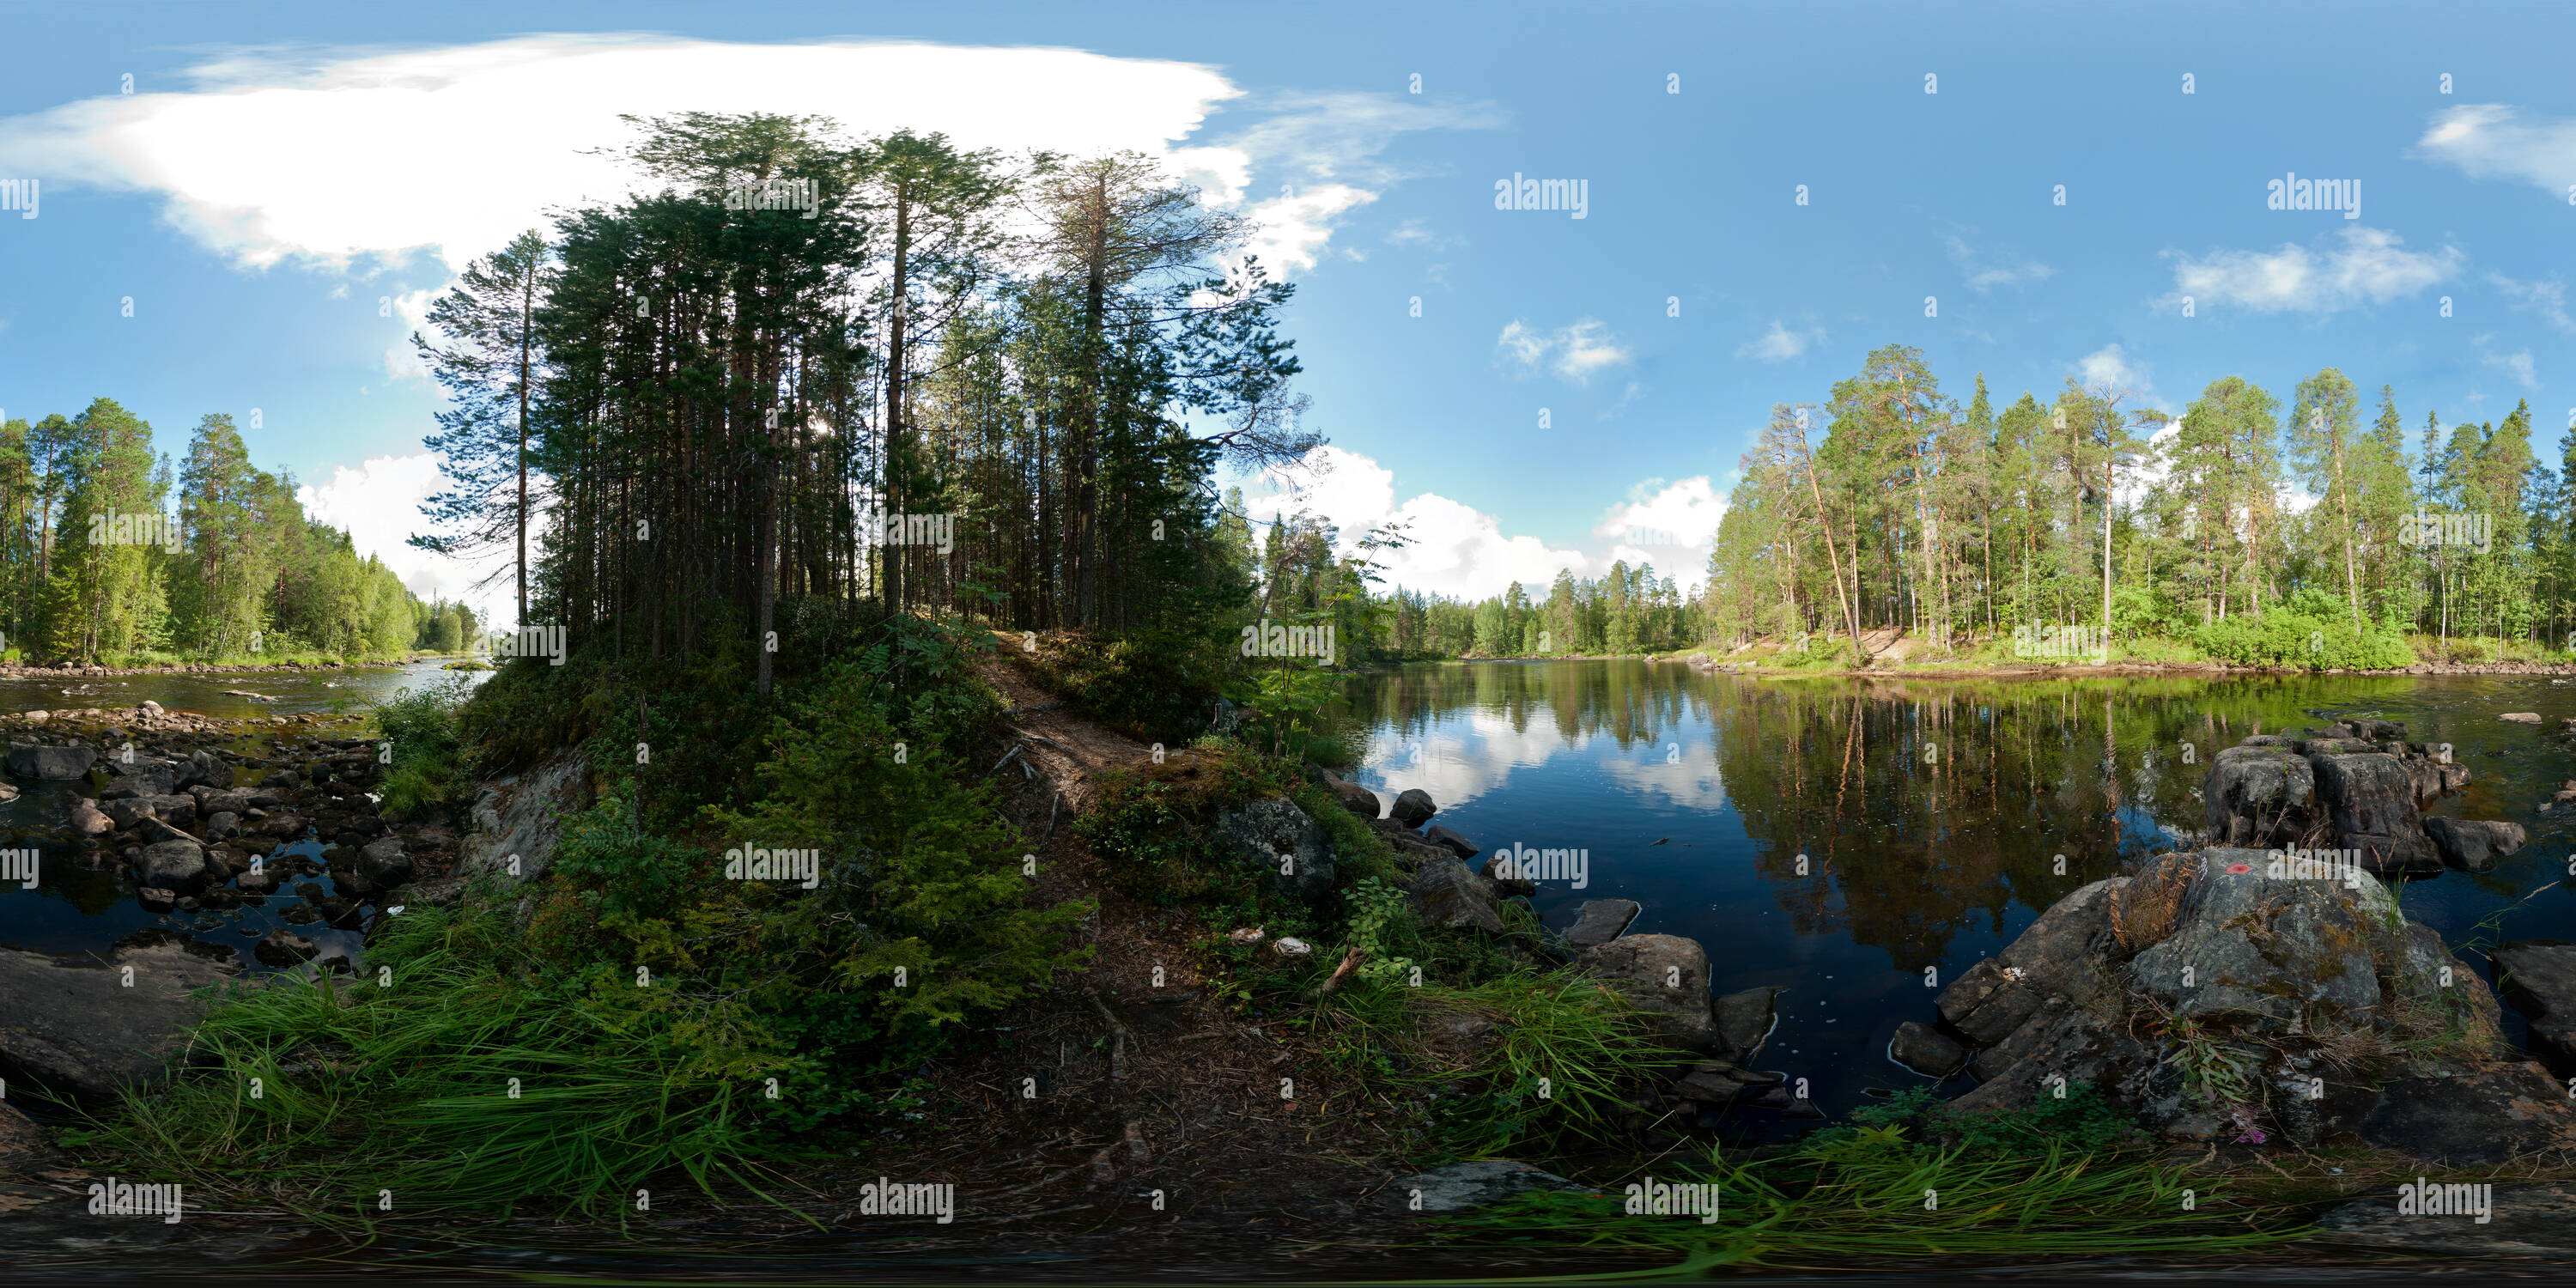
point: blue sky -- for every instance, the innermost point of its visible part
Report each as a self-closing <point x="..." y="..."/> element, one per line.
<point x="286" y="184"/>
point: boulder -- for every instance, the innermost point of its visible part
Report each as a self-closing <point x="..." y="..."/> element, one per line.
<point x="1275" y="838"/>
<point x="1451" y="841"/>
<point x="383" y="865"/>
<point x="1666" y="976"/>
<point x="518" y="817"/>
<point x="1744" y="1021"/>
<point x="171" y="865"/>
<point x="156" y="900"/>
<point x="2268" y="955"/>
<point x="2521" y="717"/>
<point x="1521" y="886"/>
<point x="2259" y="794"/>
<point x="1926" y="1050"/>
<point x="1447" y="896"/>
<point x="33" y="760"/>
<point x="223" y="824"/>
<point x="211" y="769"/>
<point x="1413" y="807"/>
<point x="1464" y="1187"/>
<point x="1599" y="921"/>
<point x="282" y="948"/>
<point x="2539" y="980"/>
<point x="76" y="1029"/>
<point x="2369" y="798"/>
<point x="88" y="821"/>
<point x="1353" y="797"/>
<point x="2472" y="845"/>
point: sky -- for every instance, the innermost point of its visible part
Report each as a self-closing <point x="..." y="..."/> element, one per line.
<point x="246" y="209"/>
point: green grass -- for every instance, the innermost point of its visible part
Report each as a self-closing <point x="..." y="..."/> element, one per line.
<point x="1849" y="1198"/>
<point x="421" y="1103"/>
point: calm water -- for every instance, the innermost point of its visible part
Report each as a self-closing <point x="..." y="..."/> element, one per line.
<point x="78" y="908"/>
<point x="1931" y="813"/>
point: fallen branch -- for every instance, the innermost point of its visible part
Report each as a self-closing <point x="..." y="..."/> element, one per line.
<point x="1117" y="1039"/>
<point x="1006" y="759"/>
<point x="1350" y="962"/>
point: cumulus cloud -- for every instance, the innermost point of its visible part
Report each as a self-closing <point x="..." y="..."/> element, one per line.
<point x="1779" y="344"/>
<point x="402" y="361"/>
<point x="2495" y="141"/>
<point x="2110" y="365"/>
<point x="1670" y="525"/>
<point x="1456" y="549"/>
<point x="2517" y="363"/>
<point x="378" y="504"/>
<point x="1576" y="352"/>
<point x="324" y="156"/>
<point x="2371" y="266"/>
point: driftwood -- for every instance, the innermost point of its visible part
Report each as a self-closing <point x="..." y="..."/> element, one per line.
<point x="1341" y="973"/>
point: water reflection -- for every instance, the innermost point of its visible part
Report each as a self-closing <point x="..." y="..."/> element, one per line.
<point x="1839" y="836"/>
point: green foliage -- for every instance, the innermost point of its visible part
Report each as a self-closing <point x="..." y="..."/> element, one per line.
<point x="2080" y="1120"/>
<point x="1153" y="686"/>
<point x="1153" y="825"/>
<point x="2312" y="630"/>
<point x="428" y="770"/>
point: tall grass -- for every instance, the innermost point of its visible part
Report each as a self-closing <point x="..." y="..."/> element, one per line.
<point x="1849" y="1199"/>
<point x="410" y="1089"/>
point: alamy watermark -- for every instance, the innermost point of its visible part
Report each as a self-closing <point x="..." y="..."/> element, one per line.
<point x="882" y="1197"/>
<point x="20" y="866"/>
<point x="529" y="641"/>
<point x="1270" y="639"/>
<point x="910" y="529"/>
<point x="2423" y="1198"/>
<point x="1517" y="193"/>
<point x="2057" y="641"/>
<point x="20" y="195"/>
<point x="804" y="867"/>
<point x="2315" y="865"/>
<point x="2424" y="530"/>
<point x="1652" y="1197"/>
<point x="1519" y="862"/>
<point x="777" y="194"/>
<point x="116" y="1198"/>
<point x="114" y="527"/>
<point x="2295" y="193"/>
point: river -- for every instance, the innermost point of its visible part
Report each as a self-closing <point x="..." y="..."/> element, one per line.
<point x="1931" y="814"/>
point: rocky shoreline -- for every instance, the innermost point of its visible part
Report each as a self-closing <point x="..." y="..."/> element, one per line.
<point x="31" y="671"/>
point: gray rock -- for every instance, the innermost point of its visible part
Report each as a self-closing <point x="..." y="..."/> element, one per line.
<point x="33" y="760"/>
<point x="2539" y="980"/>
<point x="2370" y="799"/>
<point x="77" y="1030"/>
<point x="2069" y="950"/>
<point x="2274" y="956"/>
<point x="212" y="770"/>
<point x="2482" y="1115"/>
<point x="1413" y="807"/>
<point x="1355" y="798"/>
<point x="1986" y="1004"/>
<point x="1926" y="1050"/>
<point x="1599" y="921"/>
<point x="88" y="821"/>
<point x="282" y="947"/>
<point x="1744" y="1021"/>
<point x="2473" y="845"/>
<point x="1463" y="1187"/>
<point x="1275" y="838"/>
<point x="171" y="865"/>
<point x="1522" y="886"/>
<point x="2259" y="794"/>
<point x="383" y="865"/>
<point x="156" y="900"/>
<point x="221" y="825"/>
<point x="1447" y="897"/>
<point x="518" y="817"/>
<point x="1451" y="841"/>
<point x="2532" y="1221"/>
<point x="1666" y="976"/>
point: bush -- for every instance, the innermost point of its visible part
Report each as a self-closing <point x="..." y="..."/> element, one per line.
<point x="1152" y="826"/>
<point x="1154" y="686"/>
<point x="2312" y="630"/>
<point x="428" y="771"/>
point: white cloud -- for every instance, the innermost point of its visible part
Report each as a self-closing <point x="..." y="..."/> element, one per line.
<point x="2110" y="365"/>
<point x="2371" y="267"/>
<point x="1670" y="525"/>
<point x="325" y="156"/>
<point x="1456" y="550"/>
<point x="1418" y="232"/>
<point x="2519" y="363"/>
<point x="1575" y="352"/>
<point x="1984" y="277"/>
<point x="402" y="361"/>
<point x="378" y="504"/>
<point x="2548" y="298"/>
<point x="1779" y="344"/>
<point x="2494" y="141"/>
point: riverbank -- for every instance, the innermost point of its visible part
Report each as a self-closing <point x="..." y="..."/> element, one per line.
<point x="41" y="671"/>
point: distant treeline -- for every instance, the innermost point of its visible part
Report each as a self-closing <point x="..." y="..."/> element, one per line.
<point x="108" y="555"/>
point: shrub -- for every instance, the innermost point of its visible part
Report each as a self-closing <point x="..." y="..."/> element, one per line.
<point x="2312" y="630"/>
<point x="428" y="769"/>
